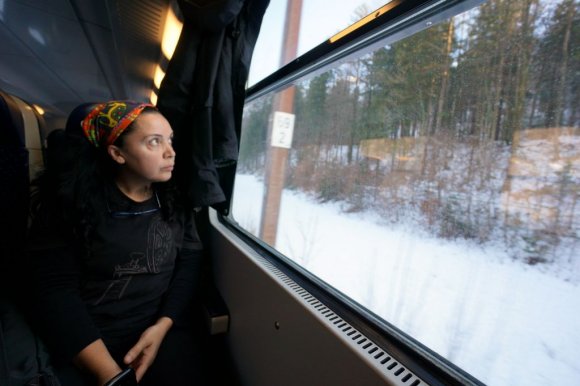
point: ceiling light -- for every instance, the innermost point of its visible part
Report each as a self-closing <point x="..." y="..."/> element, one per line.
<point x="159" y="75"/>
<point x="171" y="34"/>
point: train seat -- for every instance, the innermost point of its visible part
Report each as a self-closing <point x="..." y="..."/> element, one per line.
<point x="22" y="358"/>
<point x="14" y="176"/>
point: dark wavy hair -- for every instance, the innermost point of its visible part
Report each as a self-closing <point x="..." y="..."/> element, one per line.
<point x="69" y="192"/>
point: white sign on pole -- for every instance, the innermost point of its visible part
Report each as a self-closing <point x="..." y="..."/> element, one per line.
<point x="282" y="129"/>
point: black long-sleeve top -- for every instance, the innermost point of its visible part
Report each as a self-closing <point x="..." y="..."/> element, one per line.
<point x="135" y="268"/>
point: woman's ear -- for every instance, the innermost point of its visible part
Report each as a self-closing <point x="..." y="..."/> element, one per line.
<point x="116" y="154"/>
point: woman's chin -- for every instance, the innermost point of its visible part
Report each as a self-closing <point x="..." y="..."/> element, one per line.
<point x="164" y="177"/>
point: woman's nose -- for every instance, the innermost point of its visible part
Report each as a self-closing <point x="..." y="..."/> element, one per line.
<point x="169" y="152"/>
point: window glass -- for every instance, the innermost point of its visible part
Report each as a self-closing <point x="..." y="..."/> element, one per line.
<point x="435" y="181"/>
<point x="318" y="21"/>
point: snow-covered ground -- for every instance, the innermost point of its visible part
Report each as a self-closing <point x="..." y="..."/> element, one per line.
<point x="505" y="322"/>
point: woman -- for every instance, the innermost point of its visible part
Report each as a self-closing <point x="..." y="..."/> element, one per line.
<point x="116" y="255"/>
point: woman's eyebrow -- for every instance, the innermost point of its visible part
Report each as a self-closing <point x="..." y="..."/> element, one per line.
<point x="157" y="135"/>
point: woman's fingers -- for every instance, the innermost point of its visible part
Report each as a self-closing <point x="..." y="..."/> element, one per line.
<point x="134" y="352"/>
<point x="142" y="362"/>
<point x="140" y="370"/>
<point x="141" y="356"/>
<point x="143" y="353"/>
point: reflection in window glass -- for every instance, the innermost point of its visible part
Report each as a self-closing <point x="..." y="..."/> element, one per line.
<point x="436" y="182"/>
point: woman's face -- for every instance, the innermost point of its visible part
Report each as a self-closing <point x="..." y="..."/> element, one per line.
<point x="146" y="153"/>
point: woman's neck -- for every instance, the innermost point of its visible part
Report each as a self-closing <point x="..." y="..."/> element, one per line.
<point x="136" y="192"/>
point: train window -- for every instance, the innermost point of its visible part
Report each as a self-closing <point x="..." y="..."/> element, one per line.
<point x="433" y="178"/>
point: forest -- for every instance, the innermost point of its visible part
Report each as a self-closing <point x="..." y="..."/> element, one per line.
<point x="468" y="129"/>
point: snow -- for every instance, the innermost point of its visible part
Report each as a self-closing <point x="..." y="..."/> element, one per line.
<point x="503" y="321"/>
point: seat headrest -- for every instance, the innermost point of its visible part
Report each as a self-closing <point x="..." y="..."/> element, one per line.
<point x="11" y="122"/>
<point x="73" y="123"/>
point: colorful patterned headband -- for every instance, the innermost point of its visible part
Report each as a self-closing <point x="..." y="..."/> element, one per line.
<point x="107" y="121"/>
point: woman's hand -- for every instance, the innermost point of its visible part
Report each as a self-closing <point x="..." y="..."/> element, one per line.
<point x="143" y="353"/>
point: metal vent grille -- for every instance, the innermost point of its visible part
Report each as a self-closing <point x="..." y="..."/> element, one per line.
<point x="390" y="367"/>
<point x="138" y="29"/>
<point x="142" y="20"/>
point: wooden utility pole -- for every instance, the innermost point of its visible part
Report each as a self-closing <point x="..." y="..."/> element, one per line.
<point x="280" y="131"/>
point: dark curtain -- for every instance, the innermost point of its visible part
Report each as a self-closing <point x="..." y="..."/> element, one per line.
<point x="202" y="94"/>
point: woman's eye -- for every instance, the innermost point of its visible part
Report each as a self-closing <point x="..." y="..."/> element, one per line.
<point x="154" y="141"/>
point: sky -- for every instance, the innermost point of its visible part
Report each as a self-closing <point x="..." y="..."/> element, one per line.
<point x="319" y="21"/>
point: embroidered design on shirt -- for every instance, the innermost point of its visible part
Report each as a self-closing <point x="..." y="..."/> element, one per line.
<point x="124" y="273"/>
<point x="159" y="244"/>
